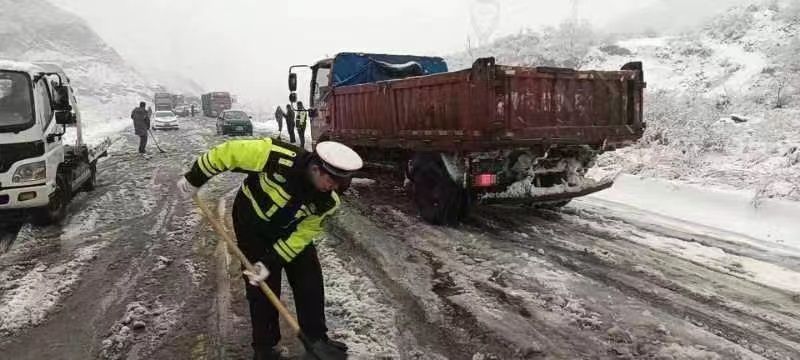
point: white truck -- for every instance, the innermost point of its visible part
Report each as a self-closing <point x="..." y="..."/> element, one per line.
<point x="39" y="172"/>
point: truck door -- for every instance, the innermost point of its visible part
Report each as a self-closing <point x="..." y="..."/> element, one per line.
<point x="320" y="89"/>
<point x="45" y="118"/>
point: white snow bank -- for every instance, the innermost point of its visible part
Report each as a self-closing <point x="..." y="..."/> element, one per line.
<point x="773" y="221"/>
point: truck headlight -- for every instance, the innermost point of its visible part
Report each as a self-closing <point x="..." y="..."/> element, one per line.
<point x="30" y="172"/>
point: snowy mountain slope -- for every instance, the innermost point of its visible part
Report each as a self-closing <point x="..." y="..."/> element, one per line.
<point x="36" y="30"/>
<point x="171" y="82"/>
<point x="732" y="54"/>
<point x="733" y="65"/>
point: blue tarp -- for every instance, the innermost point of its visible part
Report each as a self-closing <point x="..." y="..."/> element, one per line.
<point x="354" y="69"/>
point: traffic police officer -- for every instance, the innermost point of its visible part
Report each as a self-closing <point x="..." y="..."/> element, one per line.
<point x="301" y="121"/>
<point x="278" y="212"/>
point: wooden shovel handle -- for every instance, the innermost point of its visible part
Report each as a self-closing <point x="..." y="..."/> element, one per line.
<point x="233" y="248"/>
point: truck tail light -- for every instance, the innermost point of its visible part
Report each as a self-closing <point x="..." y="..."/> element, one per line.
<point x="485" y="180"/>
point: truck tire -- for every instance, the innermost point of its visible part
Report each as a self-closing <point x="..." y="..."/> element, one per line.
<point x="56" y="209"/>
<point x="439" y="200"/>
<point x="91" y="183"/>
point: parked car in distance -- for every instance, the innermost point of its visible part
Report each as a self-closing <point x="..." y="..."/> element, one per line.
<point x="234" y="122"/>
<point x="165" y="120"/>
<point x="182" y="111"/>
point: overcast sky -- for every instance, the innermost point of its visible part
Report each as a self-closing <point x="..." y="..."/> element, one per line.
<point x="246" y="46"/>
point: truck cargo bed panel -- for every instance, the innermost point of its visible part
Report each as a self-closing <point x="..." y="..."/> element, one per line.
<point x="490" y="106"/>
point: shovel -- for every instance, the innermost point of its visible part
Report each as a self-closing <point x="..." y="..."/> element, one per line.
<point x="155" y="141"/>
<point x="317" y="350"/>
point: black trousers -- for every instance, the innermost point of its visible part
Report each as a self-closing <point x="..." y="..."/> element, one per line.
<point x="304" y="274"/>
<point x="301" y="131"/>
<point x="290" y="128"/>
<point x="280" y="123"/>
<point x="142" y="143"/>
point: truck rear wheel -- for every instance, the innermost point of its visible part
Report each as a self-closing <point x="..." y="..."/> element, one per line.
<point x="56" y="209"/>
<point x="439" y="200"/>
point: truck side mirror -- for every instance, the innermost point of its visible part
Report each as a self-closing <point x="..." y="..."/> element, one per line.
<point x="292" y="82"/>
<point x="313" y="113"/>
<point x="293" y="97"/>
<point x="65" y="117"/>
<point x="61" y="101"/>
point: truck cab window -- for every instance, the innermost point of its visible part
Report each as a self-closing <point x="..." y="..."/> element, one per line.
<point x="322" y="84"/>
<point x="45" y="112"/>
<point x="16" y="105"/>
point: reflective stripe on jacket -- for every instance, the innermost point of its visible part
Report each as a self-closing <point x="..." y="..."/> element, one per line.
<point x="302" y="118"/>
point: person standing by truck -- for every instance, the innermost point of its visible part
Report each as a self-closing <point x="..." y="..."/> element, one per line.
<point x="290" y="122"/>
<point x="279" y="116"/>
<point x="141" y="123"/>
<point x="300" y="123"/>
<point x="278" y="213"/>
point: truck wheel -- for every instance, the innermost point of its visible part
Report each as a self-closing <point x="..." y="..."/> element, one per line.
<point x="56" y="209"/>
<point x="440" y="201"/>
<point x="90" y="184"/>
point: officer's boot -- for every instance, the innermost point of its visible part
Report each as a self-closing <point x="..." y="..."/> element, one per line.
<point x="267" y="354"/>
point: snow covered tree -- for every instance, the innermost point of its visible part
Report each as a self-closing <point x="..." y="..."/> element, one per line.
<point x="786" y="75"/>
<point x="569" y="43"/>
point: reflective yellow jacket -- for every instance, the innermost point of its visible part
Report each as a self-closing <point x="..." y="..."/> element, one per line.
<point x="302" y="118"/>
<point x="277" y="187"/>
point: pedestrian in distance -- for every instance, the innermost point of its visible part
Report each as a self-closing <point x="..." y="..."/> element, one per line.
<point x="278" y="212"/>
<point x="290" y="122"/>
<point x="279" y="116"/>
<point x="141" y="124"/>
<point x="300" y="122"/>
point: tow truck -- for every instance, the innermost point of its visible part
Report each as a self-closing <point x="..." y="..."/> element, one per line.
<point x="39" y="171"/>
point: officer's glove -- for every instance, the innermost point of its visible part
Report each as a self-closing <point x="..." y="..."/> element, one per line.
<point x="259" y="273"/>
<point x="186" y="189"/>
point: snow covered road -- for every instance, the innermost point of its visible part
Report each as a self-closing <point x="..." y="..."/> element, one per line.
<point x="598" y="279"/>
<point x="134" y="273"/>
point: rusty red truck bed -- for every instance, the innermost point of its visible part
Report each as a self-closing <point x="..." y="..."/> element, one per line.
<point x="490" y="106"/>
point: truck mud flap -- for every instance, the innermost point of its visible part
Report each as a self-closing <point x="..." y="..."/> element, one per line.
<point x="553" y="197"/>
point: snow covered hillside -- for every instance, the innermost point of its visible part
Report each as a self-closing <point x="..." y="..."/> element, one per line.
<point x="35" y="30"/>
<point x="723" y="100"/>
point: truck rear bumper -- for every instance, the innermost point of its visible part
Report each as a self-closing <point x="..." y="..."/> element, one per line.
<point x="25" y="197"/>
<point x="549" y="195"/>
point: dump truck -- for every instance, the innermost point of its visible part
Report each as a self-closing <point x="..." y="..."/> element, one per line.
<point x="487" y="134"/>
<point x="215" y="103"/>
<point x="39" y="170"/>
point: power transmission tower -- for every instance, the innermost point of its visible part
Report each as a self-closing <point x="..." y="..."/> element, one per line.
<point x="485" y="17"/>
<point x="574" y="16"/>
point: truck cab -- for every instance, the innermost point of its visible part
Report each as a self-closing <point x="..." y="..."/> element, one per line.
<point x="39" y="172"/>
<point x="319" y="90"/>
